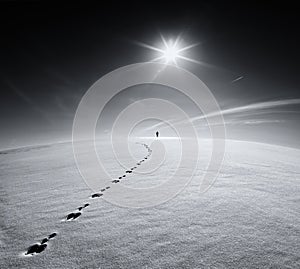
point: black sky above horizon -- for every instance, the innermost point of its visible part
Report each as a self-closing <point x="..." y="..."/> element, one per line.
<point x="51" y="53"/>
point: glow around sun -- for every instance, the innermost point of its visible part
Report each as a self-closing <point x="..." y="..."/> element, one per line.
<point x="171" y="51"/>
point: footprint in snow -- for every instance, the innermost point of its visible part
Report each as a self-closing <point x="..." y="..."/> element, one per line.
<point x="73" y="216"/>
<point x="97" y="195"/>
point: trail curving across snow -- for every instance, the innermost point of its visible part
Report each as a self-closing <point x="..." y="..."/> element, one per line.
<point x="39" y="247"/>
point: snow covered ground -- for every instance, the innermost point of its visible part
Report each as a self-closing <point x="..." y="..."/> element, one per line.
<point x="248" y="219"/>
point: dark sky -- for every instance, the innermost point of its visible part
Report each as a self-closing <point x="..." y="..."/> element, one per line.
<point x="51" y="53"/>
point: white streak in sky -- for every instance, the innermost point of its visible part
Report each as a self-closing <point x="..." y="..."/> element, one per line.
<point x="239" y="110"/>
<point x="251" y="107"/>
<point x="237" y="79"/>
<point x="242" y="122"/>
<point x="255" y="122"/>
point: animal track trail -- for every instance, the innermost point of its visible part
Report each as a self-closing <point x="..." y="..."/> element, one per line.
<point x="115" y="181"/>
<point x="39" y="247"/>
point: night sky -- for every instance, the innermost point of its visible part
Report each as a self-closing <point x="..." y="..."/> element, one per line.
<point x="51" y="53"/>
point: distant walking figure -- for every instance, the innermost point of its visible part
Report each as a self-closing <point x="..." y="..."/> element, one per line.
<point x="157" y="133"/>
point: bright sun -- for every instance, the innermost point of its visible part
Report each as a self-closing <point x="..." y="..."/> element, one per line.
<point x="171" y="51"/>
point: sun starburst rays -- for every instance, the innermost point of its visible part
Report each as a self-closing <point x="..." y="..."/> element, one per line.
<point x="171" y="51"/>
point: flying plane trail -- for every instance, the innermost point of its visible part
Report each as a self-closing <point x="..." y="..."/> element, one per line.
<point x="237" y="79"/>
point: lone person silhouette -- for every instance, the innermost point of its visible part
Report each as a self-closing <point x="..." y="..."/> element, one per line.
<point x="157" y="133"/>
